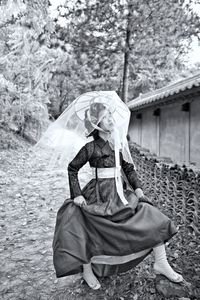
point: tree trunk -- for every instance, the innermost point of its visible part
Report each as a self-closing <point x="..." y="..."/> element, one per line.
<point x="126" y="72"/>
<point x="125" y="81"/>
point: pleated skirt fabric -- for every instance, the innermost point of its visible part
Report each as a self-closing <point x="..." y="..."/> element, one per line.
<point x="114" y="242"/>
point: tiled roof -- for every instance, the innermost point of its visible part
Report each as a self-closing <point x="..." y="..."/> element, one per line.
<point x="158" y="95"/>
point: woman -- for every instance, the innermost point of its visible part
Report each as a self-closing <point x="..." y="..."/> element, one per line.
<point x="109" y="226"/>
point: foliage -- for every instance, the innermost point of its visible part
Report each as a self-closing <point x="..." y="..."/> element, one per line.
<point x="25" y="68"/>
<point x="44" y="64"/>
<point x="160" y="34"/>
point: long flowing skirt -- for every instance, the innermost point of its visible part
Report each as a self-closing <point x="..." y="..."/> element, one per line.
<point x="113" y="243"/>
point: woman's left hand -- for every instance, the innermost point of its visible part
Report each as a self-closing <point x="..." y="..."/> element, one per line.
<point x="145" y="199"/>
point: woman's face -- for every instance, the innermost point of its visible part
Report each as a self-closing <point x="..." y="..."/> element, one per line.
<point x="107" y="122"/>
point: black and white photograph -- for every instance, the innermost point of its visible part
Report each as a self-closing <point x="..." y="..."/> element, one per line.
<point x="99" y="149"/>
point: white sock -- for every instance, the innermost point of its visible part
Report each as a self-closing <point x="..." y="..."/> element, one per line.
<point x="162" y="266"/>
<point x="87" y="267"/>
<point x="89" y="276"/>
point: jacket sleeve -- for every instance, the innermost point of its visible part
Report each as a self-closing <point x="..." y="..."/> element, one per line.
<point x="74" y="166"/>
<point x="131" y="174"/>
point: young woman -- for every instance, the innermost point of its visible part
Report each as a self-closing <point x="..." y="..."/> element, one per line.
<point x="109" y="226"/>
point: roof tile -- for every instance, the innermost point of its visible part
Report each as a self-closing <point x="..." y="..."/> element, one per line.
<point x="169" y="90"/>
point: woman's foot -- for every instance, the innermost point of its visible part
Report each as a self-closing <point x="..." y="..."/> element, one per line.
<point x="168" y="272"/>
<point x="161" y="265"/>
<point x="90" y="278"/>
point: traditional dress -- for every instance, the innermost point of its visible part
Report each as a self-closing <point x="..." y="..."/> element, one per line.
<point x="113" y="236"/>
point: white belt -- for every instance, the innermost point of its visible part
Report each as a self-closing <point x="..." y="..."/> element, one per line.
<point x="106" y="172"/>
<point x="114" y="172"/>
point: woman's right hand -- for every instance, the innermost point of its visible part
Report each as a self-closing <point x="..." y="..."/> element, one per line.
<point x="80" y="201"/>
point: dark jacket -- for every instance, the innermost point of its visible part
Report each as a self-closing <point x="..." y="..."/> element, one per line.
<point x="99" y="155"/>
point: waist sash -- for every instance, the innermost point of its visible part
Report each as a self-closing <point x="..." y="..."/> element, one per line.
<point x="114" y="172"/>
<point x="105" y="172"/>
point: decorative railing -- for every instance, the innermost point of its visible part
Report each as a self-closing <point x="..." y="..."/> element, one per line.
<point x="174" y="189"/>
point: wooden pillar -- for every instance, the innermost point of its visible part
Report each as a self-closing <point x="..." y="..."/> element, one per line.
<point x="186" y="118"/>
<point x="139" y="118"/>
<point x="156" y="113"/>
<point x="140" y="132"/>
<point x="158" y="135"/>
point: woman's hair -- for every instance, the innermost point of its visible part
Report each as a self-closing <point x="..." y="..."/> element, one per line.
<point x="94" y="112"/>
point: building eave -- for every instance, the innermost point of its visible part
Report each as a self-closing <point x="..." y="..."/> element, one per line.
<point x="167" y="93"/>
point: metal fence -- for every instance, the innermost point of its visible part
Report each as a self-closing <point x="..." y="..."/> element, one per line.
<point x="174" y="189"/>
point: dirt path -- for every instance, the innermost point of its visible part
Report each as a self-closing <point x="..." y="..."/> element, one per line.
<point x="29" y="201"/>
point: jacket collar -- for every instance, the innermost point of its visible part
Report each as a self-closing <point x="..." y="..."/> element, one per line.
<point x="104" y="146"/>
<point x="101" y="142"/>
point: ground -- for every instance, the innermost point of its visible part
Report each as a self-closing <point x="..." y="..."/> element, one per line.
<point x="30" y="198"/>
